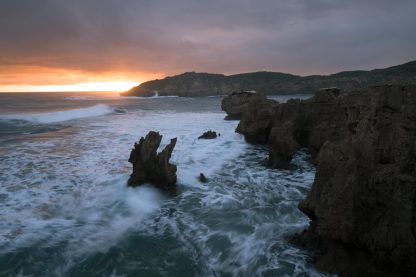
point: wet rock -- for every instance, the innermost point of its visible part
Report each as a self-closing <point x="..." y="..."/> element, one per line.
<point x="287" y="127"/>
<point x="152" y="167"/>
<point x="208" y="135"/>
<point x="308" y="123"/>
<point x="362" y="204"/>
<point x="202" y="178"/>
<point x="237" y="102"/>
<point x="256" y="121"/>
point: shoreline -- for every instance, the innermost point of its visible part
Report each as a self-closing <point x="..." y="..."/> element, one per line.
<point x="363" y="145"/>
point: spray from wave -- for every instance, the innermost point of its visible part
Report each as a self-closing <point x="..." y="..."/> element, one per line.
<point x="53" y="117"/>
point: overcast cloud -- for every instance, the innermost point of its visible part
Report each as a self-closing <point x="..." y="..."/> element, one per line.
<point x="296" y="36"/>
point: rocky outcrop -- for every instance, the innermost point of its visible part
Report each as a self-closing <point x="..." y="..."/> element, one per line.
<point x="255" y="112"/>
<point x="308" y="123"/>
<point x="203" y="84"/>
<point x="256" y="121"/>
<point x="363" y="199"/>
<point x="239" y="101"/>
<point x="152" y="167"/>
<point x="287" y="127"/>
<point x="362" y="204"/>
<point x="208" y="135"/>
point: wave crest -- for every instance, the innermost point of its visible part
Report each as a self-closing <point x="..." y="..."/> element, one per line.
<point x="53" y="117"/>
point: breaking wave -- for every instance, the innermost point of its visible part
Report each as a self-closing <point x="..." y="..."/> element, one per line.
<point x="53" y="117"/>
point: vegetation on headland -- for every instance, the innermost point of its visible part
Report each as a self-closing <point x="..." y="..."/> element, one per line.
<point x="206" y="84"/>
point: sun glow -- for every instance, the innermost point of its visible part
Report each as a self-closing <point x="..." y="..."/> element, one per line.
<point x="97" y="86"/>
<point x="116" y="86"/>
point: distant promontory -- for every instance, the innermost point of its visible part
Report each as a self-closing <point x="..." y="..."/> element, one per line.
<point x="207" y="84"/>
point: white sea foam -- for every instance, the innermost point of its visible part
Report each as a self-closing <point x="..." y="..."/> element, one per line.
<point x="99" y="98"/>
<point x="86" y="97"/>
<point x="191" y="155"/>
<point x="72" y="192"/>
<point x="151" y="97"/>
<point x="82" y="178"/>
<point x="53" y="117"/>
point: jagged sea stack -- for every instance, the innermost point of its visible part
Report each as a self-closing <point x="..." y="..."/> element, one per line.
<point x="152" y="167"/>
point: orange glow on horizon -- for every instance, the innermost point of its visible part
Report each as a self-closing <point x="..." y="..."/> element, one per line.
<point x="32" y="78"/>
<point x="116" y="86"/>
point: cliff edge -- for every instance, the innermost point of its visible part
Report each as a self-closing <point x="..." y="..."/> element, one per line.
<point x="362" y="204"/>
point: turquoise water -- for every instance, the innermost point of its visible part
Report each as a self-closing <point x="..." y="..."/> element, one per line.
<point x="65" y="209"/>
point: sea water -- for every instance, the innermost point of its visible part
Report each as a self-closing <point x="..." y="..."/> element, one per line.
<point x="65" y="208"/>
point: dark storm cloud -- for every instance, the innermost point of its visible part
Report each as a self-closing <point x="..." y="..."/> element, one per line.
<point x="299" y="36"/>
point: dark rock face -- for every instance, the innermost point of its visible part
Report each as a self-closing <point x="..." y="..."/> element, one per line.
<point x="362" y="204"/>
<point x="287" y="127"/>
<point x="256" y="120"/>
<point x="364" y="195"/>
<point x="309" y="123"/>
<point x="153" y="167"/>
<point x="208" y="135"/>
<point x="237" y="102"/>
<point x="254" y="110"/>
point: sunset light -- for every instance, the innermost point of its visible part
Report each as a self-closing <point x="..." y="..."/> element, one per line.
<point x="207" y="138"/>
<point x="116" y="86"/>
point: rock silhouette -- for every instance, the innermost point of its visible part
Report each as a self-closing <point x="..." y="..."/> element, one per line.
<point x="204" y="84"/>
<point x="208" y="135"/>
<point x="202" y="178"/>
<point x="238" y="102"/>
<point x="152" y="167"/>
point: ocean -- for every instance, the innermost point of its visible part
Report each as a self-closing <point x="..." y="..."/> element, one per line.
<point x="65" y="208"/>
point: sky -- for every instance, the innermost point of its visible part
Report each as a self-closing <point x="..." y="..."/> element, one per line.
<point x="115" y="44"/>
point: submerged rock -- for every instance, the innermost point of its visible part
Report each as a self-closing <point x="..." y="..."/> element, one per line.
<point x="202" y="178"/>
<point x="152" y="167"/>
<point x="208" y="135"/>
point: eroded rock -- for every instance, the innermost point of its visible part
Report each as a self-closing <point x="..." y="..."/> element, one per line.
<point x="237" y="102"/>
<point x="256" y="120"/>
<point x="363" y="199"/>
<point x="208" y="135"/>
<point x="287" y="127"/>
<point x="152" y="167"/>
<point x="362" y="204"/>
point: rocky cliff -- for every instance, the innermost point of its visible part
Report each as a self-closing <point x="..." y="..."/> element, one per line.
<point x="362" y="204"/>
<point x="203" y="84"/>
